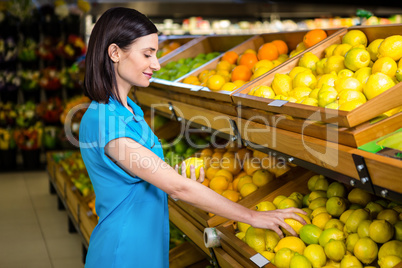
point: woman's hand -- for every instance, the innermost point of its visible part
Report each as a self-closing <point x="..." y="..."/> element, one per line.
<point x="192" y="172"/>
<point x="274" y="219"/>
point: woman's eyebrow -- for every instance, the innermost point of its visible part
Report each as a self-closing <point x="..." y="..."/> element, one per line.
<point x="150" y="48"/>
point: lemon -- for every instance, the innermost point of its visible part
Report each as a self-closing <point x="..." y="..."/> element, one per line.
<point x="398" y="230"/>
<point x="310" y="101"/>
<point x="271" y="240"/>
<point x="287" y="203"/>
<point x="296" y="225"/>
<point x="333" y="105"/>
<point x="357" y="58"/>
<point x="282" y="84"/>
<point x="255" y="238"/>
<point x="215" y="82"/>
<point x="388" y="214"/>
<point x="248" y="189"/>
<point x="355" y="38"/>
<point x="335" y="250"/>
<point x="365" y="250"/>
<point x="282" y="258"/>
<point x="278" y="199"/>
<point x="321" y="184"/>
<point x="389" y="261"/>
<point x="381" y="231"/>
<point x="315" y="194"/>
<point x="299" y="261"/>
<point x="243" y="180"/>
<point x="320" y="66"/>
<point x="291" y="242"/>
<point x="373" y="48"/>
<point x="329" y="51"/>
<point x="351" y="241"/>
<point x="334" y="223"/>
<point x="374" y="209"/>
<point x="327" y="79"/>
<point x="362" y="74"/>
<point x="318" y="202"/>
<point x="334" y="63"/>
<point x="298" y="69"/>
<point x="300" y="92"/>
<point x="310" y="233"/>
<point x="260" y="71"/>
<point x="317" y="211"/>
<point x="298" y="197"/>
<point x="312" y="180"/>
<point x="385" y="65"/>
<point x="265" y="206"/>
<point x="350" y="95"/>
<point x="316" y="255"/>
<point x="308" y="60"/>
<point x="263" y="63"/>
<point x="398" y="74"/>
<point x="304" y="79"/>
<point x="336" y="206"/>
<point x="355" y="219"/>
<point x="326" y="95"/>
<point x="321" y="219"/>
<point x="341" y="49"/>
<point x="229" y="86"/>
<point x="242" y="226"/>
<point x="198" y="163"/>
<point x="345" y="73"/>
<point x="308" y="211"/>
<point x="348" y="83"/>
<point x="331" y="233"/>
<point x="363" y="228"/>
<point x="350" y="105"/>
<point x="262" y="176"/>
<point x="359" y="196"/>
<point x="350" y="261"/>
<point x="345" y="215"/>
<point x="393" y="247"/>
<point x="332" y="264"/>
<point x="391" y="47"/>
<point x="314" y="93"/>
<point x="336" y="189"/>
<point x="240" y="235"/>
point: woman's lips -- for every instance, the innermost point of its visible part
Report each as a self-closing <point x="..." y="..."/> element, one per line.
<point x="149" y="75"/>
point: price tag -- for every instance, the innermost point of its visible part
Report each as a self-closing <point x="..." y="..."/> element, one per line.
<point x="278" y="103"/>
<point x="259" y="260"/>
<point x="196" y="88"/>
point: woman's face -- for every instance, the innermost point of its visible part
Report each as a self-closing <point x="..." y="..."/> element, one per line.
<point x="137" y="64"/>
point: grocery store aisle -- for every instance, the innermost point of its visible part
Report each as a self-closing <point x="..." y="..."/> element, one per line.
<point x="33" y="232"/>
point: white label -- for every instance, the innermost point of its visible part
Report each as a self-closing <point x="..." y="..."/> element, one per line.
<point x="259" y="260"/>
<point x="278" y="103"/>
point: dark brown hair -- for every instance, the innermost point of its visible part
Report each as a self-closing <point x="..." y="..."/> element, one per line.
<point x="118" y="25"/>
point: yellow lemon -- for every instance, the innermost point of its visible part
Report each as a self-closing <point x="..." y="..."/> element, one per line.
<point x="287" y="203"/>
<point x="334" y="63"/>
<point x="190" y="79"/>
<point x="308" y="60"/>
<point x="224" y="65"/>
<point x="342" y="49"/>
<point x="365" y="250"/>
<point x="391" y="47"/>
<point x="398" y="230"/>
<point x="362" y="74"/>
<point x="282" y="258"/>
<point x="310" y="233"/>
<point x="247" y="189"/>
<point x="329" y="51"/>
<point x="351" y="241"/>
<point x="310" y="101"/>
<point x="291" y="242"/>
<point x="265" y="206"/>
<point x="278" y="199"/>
<point x="388" y="214"/>
<point x="296" y="70"/>
<point x="351" y="95"/>
<point x="345" y="73"/>
<point x="264" y="91"/>
<point x="385" y="65"/>
<point x="333" y="105"/>
<point x="282" y="84"/>
<point x="263" y="63"/>
<point x="327" y="79"/>
<point x="262" y="177"/>
<point x="232" y="195"/>
<point x="255" y="238"/>
<point x="296" y="225"/>
<point x="373" y="48"/>
<point x="393" y="247"/>
<point x="316" y="255"/>
<point x="320" y="66"/>
<point x="334" y="223"/>
<point x="317" y="211"/>
<point x="198" y="163"/>
<point x="299" y="261"/>
<point x="239" y="83"/>
<point x="243" y="180"/>
<point x="242" y="226"/>
<point x="312" y="181"/>
<point x="359" y="196"/>
<point x="271" y="240"/>
<point x="348" y="83"/>
<point x="326" y="95"/>
<point x="389" y="261"/>
<point x="376" y="84"/>
<point x="318" y="202"/>
<point x="336" y="206"/>
<point x="215" y="82"/>
<point x="363" y="228"/>
<point x="268" y="255"/>
<point x="240" y="235"/>
<point x="305" y="79"/>
<point x="335" y="250"/>
<point x="314" y="93"/>
<point x="381" y="231"/>
<point x="355" y="38"/>
<point x="300" y="92"/>
<point x="283" y="57"/>
<point x="229" y="86"/>
<point x="321" y="219"/>
<point x="355" y="219"/>
<point x="330" y="234"/>
<point x="398" y="74"/>
<point x="357" y="58"/>
<point x="350" y="261"/>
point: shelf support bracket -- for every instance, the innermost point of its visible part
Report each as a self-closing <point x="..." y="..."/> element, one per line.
<point x="362" y="171"/>
<point x="236" y="134"/>
<point x="174" y="115"/>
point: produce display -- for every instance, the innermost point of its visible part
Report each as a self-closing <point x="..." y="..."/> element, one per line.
<point x="346" y="227"/>
<point x="234" y="70"/>
<point x="349" y="74"/>
<point x="167" y="48"/>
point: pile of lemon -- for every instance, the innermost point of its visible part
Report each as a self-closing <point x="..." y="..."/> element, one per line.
<point x="236" y="69"/>
<point x="236" y="172"/>
<point x="345" y="228"/>
<point x="348" y="74"/>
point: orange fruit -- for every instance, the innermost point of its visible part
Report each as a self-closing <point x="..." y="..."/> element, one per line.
<point x="243" y="153"/>
<point x="313" y="37"/>
<point x="205" y="182"/>
<point x="219" y="184"/>
<point x="268" y="51"/>
<point x="173" y="45"/>
<point x="225" y="173"/>
<point x="241" y="72"/>
<point x="281" y="46"/>
<point x="211" y="171"/>
<point x="231" y="164"/>
<point x="248" y="59"/>
<point x="216" y="159"/>
<point x="251" y="164"/>
<point x="231" y="195"/>
<point x="230" y="56"/>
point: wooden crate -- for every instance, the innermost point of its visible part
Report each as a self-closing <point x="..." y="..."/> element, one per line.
<point x="238" y="249"/>
<point x="251" y="200"/>
<point x="87" y="220"/>
<point x="61" y="179"/>
<point x="351" y="128"/>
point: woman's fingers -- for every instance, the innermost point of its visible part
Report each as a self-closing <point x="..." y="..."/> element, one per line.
<point x="202" y="175"/>
<point x="176" y="167"/>
<point x="183" y="169"/>
<point x="192" y="173"/>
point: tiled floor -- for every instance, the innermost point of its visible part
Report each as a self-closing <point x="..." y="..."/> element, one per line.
<point x="33" y="232"/>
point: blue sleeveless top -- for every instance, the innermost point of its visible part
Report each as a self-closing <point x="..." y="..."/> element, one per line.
<point x="133" y="226"/>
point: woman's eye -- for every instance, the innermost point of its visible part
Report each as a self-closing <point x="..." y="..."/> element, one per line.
<point x="147" y="56"/>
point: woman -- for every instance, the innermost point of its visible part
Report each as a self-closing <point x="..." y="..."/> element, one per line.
<point x="124" y="158"/>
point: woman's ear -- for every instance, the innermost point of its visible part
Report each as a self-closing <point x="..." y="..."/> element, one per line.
<point x="113" y="51"/>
